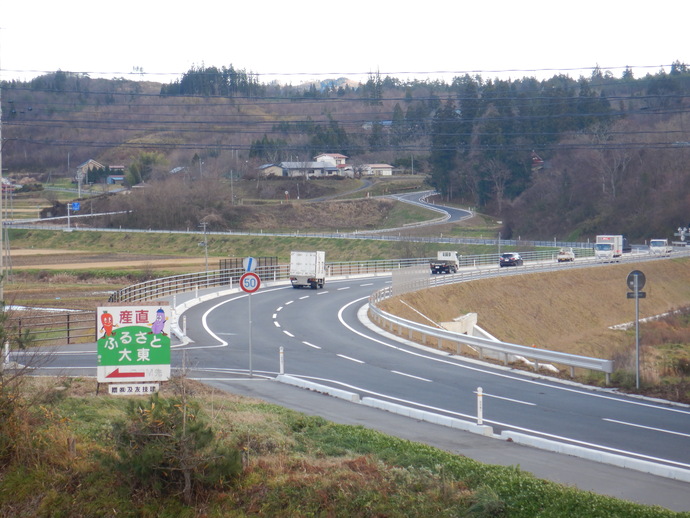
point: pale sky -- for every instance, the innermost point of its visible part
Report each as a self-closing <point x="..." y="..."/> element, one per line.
<point x="293" y="40"/>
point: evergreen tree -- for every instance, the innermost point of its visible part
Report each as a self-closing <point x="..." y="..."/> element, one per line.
<point x="445" y="135"/>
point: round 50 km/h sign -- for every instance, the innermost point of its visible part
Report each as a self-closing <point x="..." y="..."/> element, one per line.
<point x="250" y="282"/>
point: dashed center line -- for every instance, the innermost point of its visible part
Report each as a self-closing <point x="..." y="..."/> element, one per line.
<point x="647" y="427"/>
<point x="288" y="333"/>
<point x="348" y="358"/>
<point x="311" y="345"/>
<point x="411" y="376"/>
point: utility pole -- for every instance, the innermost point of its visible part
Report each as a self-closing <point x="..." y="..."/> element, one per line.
<point x="203" y="224"/>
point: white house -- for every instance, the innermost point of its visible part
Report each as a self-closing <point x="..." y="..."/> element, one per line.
<point x="292" y="169"/>
<point x="378" y="169"/>
<point x="334" y="158"/>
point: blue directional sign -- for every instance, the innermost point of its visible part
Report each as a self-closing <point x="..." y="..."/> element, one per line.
<point x="249" y="264"/>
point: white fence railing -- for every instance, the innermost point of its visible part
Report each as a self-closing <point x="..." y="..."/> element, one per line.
<point x="504" y="350"/>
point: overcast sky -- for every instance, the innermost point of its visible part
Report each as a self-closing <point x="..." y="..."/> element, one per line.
<point x="293" y="40"/>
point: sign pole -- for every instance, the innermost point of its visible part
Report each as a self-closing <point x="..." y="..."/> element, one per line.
<point x="249" y="298"/>
<point x="637" y="333"/>
<point x="636" y="281"/>
<point x="249" y="283"/>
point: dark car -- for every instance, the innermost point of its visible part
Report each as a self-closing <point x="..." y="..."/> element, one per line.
<point x="510" y="259"/>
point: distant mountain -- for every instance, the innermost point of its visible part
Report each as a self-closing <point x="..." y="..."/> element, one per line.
<point x="611" y="153"/>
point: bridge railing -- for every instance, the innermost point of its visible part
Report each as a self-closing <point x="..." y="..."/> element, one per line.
<point x="167" y="286"/>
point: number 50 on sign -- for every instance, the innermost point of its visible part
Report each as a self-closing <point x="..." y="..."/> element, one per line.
<point x="250" y="282"/>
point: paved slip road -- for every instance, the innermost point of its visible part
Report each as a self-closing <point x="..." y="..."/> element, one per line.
<point x="325" y="341"/>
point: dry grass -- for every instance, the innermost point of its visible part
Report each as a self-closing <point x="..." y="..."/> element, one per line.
<point x="569" y="311"/>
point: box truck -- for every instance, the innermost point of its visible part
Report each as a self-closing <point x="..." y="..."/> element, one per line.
<point x="608" y="248"/>
<point x="307" y="269"/>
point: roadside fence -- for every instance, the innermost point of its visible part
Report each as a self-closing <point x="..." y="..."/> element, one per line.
<point x="58" y="328"/>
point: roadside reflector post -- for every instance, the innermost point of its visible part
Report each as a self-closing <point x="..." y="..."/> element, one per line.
<point x="282" y="360"/>
<point x="480" y="406"/>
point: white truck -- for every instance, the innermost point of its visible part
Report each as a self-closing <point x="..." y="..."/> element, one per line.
<point x="608" y="248"/>
<point x="307" y="269"/>
<point x="446" y="262"/>
<point x="565" y="255"/>
<point x="659" y="247"/>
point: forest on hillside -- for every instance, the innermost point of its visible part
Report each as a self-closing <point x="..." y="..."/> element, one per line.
<point x="559" y="157"/>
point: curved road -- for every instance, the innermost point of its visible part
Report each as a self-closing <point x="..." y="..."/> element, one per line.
<point x="325" y="340"/>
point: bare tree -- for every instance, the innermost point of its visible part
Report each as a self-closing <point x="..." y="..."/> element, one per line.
<point x="499" y="175"/>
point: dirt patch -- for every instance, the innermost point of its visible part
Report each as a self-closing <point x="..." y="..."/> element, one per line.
<point x="71" y="260"/>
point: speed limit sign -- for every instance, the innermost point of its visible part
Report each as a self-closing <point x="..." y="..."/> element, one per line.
<point x="250" y="282"/>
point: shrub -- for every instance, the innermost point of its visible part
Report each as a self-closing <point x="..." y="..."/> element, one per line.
<point x="165" y="445"/>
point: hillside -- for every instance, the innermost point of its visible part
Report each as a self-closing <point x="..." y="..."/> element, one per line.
<point x="563" y="157"/>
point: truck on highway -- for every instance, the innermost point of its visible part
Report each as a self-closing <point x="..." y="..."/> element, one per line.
<point x="565" y="255"/>
<point x="446" y="262"/>
<point x="307" y="269"/>
<point x="659" y="247"/>
<point x="608" y="247"/>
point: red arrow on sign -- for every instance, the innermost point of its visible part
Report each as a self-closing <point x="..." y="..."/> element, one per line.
<point x="117" y="374"/>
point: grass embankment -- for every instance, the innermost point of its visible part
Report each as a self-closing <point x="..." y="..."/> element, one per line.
<point x="293" y="465"/>
<point x="572" y="311"/>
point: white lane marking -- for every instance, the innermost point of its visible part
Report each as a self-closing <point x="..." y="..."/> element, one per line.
<point x="289" y="302"/>
<point x="279" y="308"/>
<point x="204" y="318"/>
<point x="367" y="284"/>
<point x="499" y="374"/>
<point x="288" y="333"/>
<point x="305" y="297"/>
<point x="499" y="423"/>
<point x="411" y="376"/>
<point x="646" y="427"/>
<point x="392" y="398"/>
<point x="275" y="315"/>
<point x="508" y="399"/>
<point x="321" y="293"/>
<point x="344" y="288"/>
<point x="311" y="345"/>
<point x="348" y="358"/>
<point x="276" y="323"/>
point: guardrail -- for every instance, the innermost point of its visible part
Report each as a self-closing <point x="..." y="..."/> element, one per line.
<point x="167" y="286"/>
<point x="391" y="234"/>
<point x="504" y="350"/>
<point x="542" y="260"/>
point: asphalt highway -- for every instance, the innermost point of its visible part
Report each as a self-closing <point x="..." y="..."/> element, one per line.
<point x="242" y="343"/>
